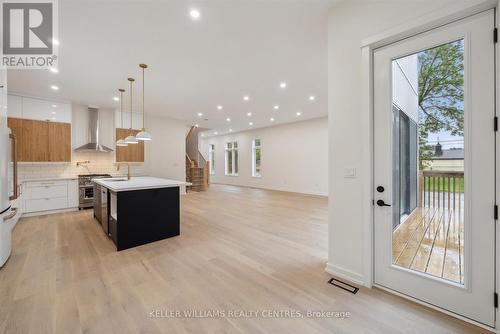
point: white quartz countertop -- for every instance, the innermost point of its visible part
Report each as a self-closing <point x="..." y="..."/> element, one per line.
<point x="139" y="183"/>
<point x="45" y="179"/>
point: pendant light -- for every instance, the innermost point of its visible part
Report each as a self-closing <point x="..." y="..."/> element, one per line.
<point x="143" y="135"/>
<point x="121" y="142"/>
<point x="131" y="138"/>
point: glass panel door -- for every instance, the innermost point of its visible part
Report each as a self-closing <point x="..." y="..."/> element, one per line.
<point x="428" y="161"/>
<point x="434" y="167"/>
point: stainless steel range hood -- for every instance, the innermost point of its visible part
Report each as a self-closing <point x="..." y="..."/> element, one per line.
<point x="93" y="134"/>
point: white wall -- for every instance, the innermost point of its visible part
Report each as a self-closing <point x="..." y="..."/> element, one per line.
<point x="294" y="157"/>
<point x="165" y="154"/>
<point x="349" y="23"/>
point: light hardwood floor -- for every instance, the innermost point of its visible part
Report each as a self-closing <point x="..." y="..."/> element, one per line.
<point x="431" y="241"/>
<point x="240" y="249"/>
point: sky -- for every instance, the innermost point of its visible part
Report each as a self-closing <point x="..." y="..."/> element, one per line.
<point x="446" y="139"/>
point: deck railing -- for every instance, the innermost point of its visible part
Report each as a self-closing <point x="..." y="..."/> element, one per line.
<point x="441" y="189"/>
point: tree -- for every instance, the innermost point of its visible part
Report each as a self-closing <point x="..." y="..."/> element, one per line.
<point x="440" y="93"/>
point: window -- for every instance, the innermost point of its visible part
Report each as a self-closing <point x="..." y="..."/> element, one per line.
<point x="211" y="158"/>
<point x="232" y="158"/>
<point x="405" y="153"/>
<point x="256" y="156"/>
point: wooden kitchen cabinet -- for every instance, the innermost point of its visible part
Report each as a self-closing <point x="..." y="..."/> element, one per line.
<point x="59" y="141"/>
<point x="41" y="141"/>
<point x="35" y="147"/>
<point x="130" y="153"/>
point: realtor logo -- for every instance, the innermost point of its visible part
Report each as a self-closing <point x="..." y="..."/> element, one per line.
<point x="28" y="38"/>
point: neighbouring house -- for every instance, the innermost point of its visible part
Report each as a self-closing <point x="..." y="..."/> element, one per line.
<point x="450" y="160"/>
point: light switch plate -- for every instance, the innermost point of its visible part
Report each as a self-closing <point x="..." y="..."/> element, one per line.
<point x="350" y="172"/>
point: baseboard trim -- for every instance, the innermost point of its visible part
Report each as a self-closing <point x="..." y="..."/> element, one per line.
<point x="345" y="274"/>
<point x="49" y="212"/>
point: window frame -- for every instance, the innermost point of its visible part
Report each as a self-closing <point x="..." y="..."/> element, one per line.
<point x="232" y="147"/>
<point x="211" y="159"/>
<point x="254" y="158"/>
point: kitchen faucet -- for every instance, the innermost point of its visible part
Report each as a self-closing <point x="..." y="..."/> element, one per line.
<point x="128" y="168"/>
<point x="83" y="164"/>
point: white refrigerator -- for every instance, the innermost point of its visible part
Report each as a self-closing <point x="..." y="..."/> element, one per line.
<point x="9" y="190"/>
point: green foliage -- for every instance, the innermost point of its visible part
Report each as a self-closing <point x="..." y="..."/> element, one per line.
<point x="440" y="93"/>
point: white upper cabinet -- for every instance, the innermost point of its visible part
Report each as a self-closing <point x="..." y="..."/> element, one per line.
<point x="136" y="120"/>
<point x="38" y="109"/>
<point x="46" y="110"/>
<point x="14" y="106"/>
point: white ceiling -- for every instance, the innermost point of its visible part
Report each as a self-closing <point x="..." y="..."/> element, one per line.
<point x="237" y="48"/>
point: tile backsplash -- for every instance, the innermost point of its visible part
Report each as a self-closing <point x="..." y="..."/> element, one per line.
<point x="100" y="163"/>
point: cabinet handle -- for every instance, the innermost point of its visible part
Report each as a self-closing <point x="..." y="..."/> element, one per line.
<point x="13" y="213"/>
<point x="14" y="160"/>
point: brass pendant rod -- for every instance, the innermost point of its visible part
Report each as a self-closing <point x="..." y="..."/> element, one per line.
<point x="143" y="119"/>
<point x="131" y="93"/>
<point x="143" y="67"/>
<point x="121" y="90"/>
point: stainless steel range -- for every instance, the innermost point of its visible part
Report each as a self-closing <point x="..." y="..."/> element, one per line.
<point x="86" y="189"/>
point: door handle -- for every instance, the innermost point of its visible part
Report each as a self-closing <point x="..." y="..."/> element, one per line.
<point x="382" y="203"/>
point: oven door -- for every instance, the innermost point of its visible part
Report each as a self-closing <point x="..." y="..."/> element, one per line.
<point x="86" y="194"/>
<point x="89" y="193"/>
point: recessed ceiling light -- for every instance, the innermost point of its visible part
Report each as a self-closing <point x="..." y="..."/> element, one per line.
<point x="298" y="113"/>
<point x="251" y="123"/>
<point x="283" y="85"/>
<point x="116" y="98"/>
<point x="272" y="119"/>
<point x="196" y="125"/>
<point x="219" y="107"/>
<point x="54" y="106"/>
<point x="246" y="98"/>
<point x="54" y="87"/>
<point x="203" y="135"/>
<point x="200" y="114"/>
<point x="53" y="113"/>
<point x="230" y="130"/>
<point x="228" y="119"/>
<point x="312" y="98"/>
<point x="249" y="114"/>
<point x="276" y="107"/>
<point x="55" y="41"/>
<point x="195" y="14"/>
<point x="216" y="133"/>
<point x="54" y="70"/>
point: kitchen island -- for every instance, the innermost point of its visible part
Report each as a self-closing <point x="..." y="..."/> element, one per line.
<point x="138" y="211"/>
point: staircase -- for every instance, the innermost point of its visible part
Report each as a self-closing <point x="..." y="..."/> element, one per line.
<point x="196" y="165"/>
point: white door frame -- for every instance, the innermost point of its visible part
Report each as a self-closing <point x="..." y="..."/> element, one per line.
<point x="434" y="20"/>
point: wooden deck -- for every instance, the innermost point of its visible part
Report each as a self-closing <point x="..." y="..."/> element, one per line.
<point x="431" y="241"/>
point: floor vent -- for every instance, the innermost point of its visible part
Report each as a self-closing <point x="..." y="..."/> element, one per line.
<point x="343" y="285"/>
